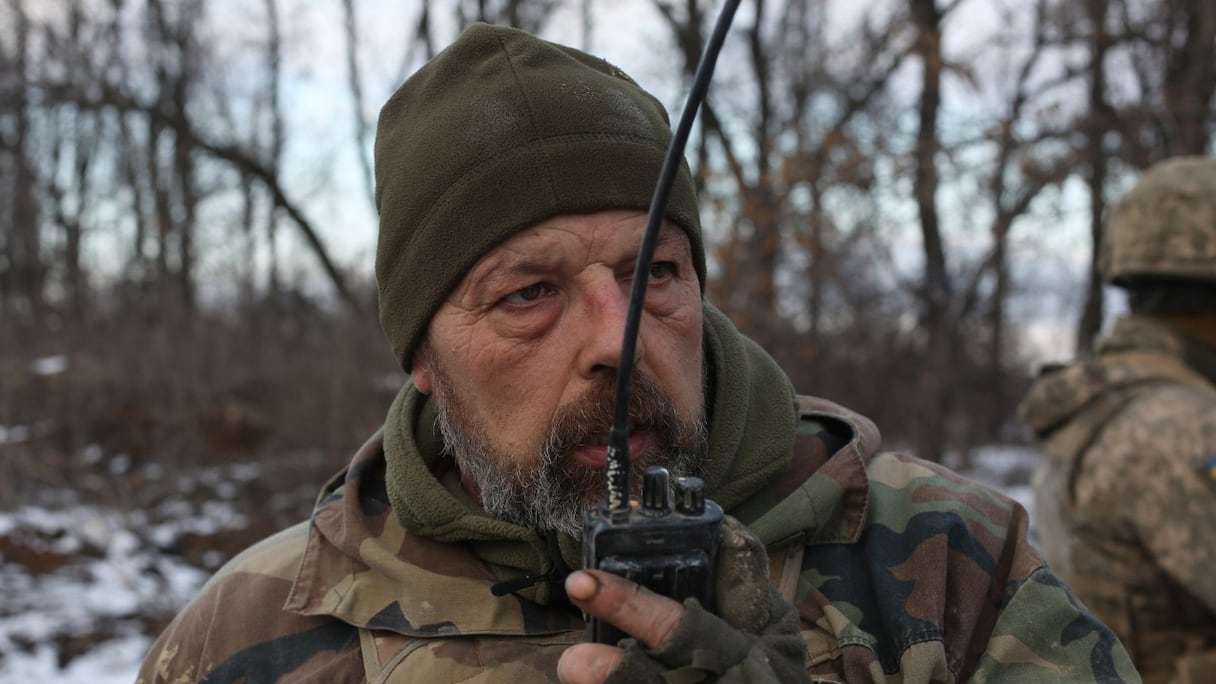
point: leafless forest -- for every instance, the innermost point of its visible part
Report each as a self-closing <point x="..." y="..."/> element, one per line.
<point x="878" y="179"/>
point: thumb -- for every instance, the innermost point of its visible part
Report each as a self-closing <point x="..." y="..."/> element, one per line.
<point x="741" y="589"/>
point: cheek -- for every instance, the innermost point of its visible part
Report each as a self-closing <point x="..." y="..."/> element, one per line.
<point x="694" y="383"/>
<point x="511" y="363"/>
<point x="517" y="384"/>
<point x="682" y="360"/>
<point x="510" y="385"/>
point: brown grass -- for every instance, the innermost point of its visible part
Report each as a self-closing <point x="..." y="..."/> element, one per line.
<point x="145" y="401"/>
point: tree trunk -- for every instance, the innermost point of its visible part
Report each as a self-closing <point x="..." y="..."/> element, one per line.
<point x="1190" y="76"/>
<point x="27" y="272"/>
<point x="935" y="378"/>
<point x="1100" y="116"/>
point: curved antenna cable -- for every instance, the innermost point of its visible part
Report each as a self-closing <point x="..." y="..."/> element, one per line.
<point x="617" y="476"/>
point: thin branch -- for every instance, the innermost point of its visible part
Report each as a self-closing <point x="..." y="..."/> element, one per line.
<point x="362" y="131"/>
<point x="241" y="160"/>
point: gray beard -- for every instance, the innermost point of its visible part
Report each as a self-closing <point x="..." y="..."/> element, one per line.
<point x="549" y="491"/>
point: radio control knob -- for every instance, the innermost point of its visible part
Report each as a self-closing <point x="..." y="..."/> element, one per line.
<point x="655" y="498"/>
<point x="690" y="495"/>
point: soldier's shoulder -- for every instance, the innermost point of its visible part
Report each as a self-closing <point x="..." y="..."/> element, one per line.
<point x="917" y="497"/>
<point x="253" y="581"/>
<point x="1175" y="400"/>
<point x="1169" y="418"/>
<point x="899" y="476"/>
<point x="278" y="555"/>
<point x="238" y="626"/>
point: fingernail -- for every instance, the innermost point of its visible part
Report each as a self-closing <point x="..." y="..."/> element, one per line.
<point x="581" y="586"/>
<point x="601" y="666"/>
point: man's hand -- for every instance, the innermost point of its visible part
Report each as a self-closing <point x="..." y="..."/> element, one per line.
<point x="754" y="637"/>
<point x="632" y="608"/>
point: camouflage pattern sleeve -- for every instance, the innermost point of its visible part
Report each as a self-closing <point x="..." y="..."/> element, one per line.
<point x="1043" y="634"/>
<point x="942" y="585"/>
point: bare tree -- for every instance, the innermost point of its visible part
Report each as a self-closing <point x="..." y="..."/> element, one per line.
<point x="1101" y="119"/>
<point x="354" y="79"/>
<point x="1163" y="109"/>
<point x="855" y="227"/>
<point x="24" y="272"/>
<point x="782" y="154"/>
<point x="277" y="135"/>
<point x="529" y="15"/>
<point x="936" y="289"/>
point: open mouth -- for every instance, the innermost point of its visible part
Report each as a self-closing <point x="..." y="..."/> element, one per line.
<point x="602" y="437"/>
<point x="593" y="450"/>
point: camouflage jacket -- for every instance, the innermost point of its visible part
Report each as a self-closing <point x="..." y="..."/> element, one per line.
<point x="900" y="570"/>
<point x="1125" y="495"/>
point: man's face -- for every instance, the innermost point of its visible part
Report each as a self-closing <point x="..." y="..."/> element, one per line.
<point x="522" y="357"/>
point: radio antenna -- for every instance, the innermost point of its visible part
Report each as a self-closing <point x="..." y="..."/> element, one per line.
<point x="617" y="475"/>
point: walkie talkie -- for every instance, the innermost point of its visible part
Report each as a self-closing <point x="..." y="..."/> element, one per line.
<point x="669" y="549"/>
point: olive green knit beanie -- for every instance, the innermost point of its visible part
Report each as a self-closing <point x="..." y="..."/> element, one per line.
<point x="498" y="132"/>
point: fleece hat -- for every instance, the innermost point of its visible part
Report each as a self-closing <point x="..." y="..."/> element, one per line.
<point x="499" y="132"/>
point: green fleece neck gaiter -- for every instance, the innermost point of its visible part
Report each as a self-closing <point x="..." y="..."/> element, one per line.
<point x="753" y="415"/>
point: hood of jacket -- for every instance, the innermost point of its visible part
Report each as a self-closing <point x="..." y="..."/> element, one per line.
<point x="1069" y="404"/>
<point x="823" y="495"/>
<point x="753" y="416"/>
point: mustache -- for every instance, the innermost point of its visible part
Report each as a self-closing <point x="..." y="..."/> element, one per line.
<point x="592" y="414"/>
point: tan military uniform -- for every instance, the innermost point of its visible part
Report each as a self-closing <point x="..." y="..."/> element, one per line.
<point x="1126" y="493"/>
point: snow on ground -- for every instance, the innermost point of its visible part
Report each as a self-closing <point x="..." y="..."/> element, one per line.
<point x="76" y="610"/>
<point x="114" y="661"/>
<point x="79" y="587"/>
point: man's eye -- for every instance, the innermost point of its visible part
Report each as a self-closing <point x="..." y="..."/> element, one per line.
<point x="662" y="269"/>
<point x="526" y="295"/>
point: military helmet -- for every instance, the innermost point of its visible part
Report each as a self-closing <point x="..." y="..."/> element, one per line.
<point x="1165" y="227"/>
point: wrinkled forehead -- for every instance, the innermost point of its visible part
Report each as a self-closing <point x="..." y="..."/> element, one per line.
<point x="568" y="241"/>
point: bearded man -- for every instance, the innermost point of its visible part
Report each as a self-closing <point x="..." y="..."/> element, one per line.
<point x="513" y="177"/>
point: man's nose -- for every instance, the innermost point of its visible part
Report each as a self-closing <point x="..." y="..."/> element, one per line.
<point x="604" y="310"/>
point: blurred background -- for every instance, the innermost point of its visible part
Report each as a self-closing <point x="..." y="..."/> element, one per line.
<point x="901" y="202"/>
